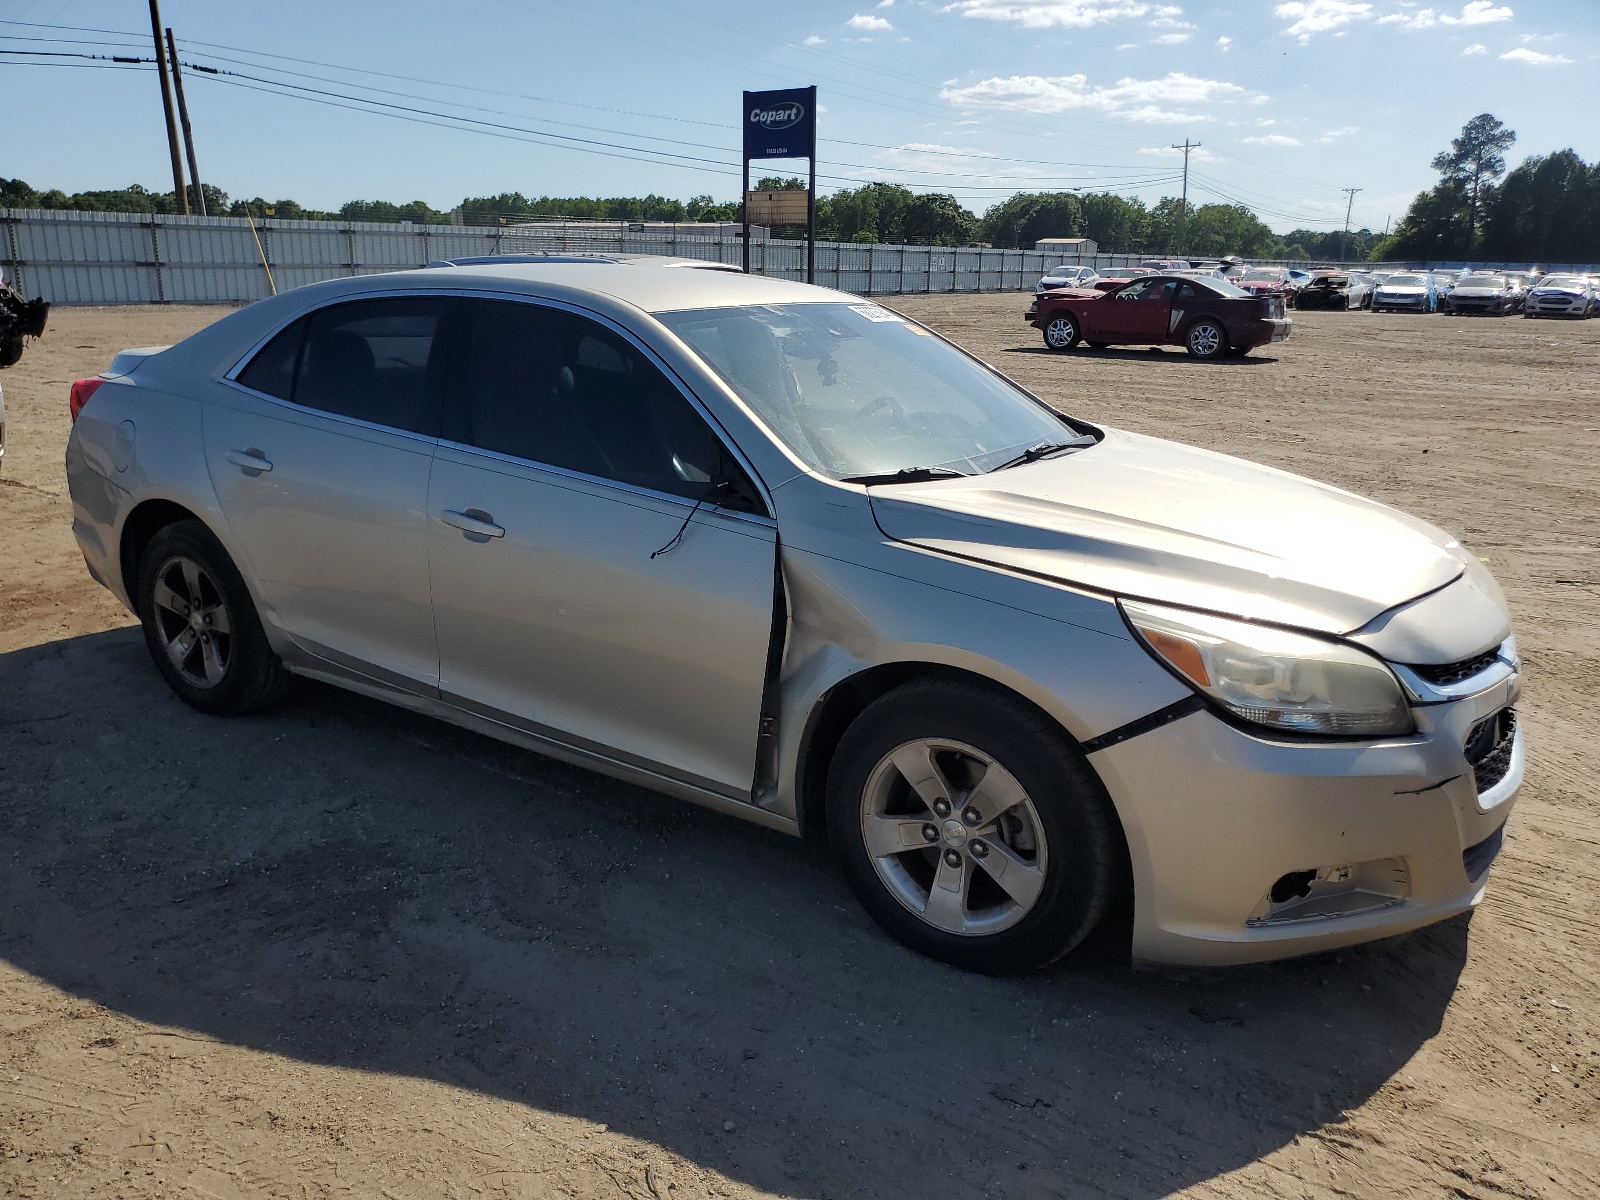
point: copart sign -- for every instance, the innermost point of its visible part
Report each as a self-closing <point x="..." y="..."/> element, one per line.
<point x="780" y="124"/>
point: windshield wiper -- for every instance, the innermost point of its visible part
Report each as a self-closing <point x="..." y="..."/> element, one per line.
<point x="906" y="475"/>
<point x="1045" y="450"/>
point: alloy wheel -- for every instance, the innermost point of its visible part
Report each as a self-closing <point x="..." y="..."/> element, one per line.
<point x="193" y="621"/>
<point x="1061" y="333"/>
<point x="954" y="837"/>
<point x="1205" y="340"/>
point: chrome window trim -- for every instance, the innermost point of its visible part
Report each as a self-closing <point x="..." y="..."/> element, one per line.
<point x="729" y="443"/>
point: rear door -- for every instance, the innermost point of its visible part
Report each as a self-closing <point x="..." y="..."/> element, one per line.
<point x="603" y="571"/>
<point x="1138" y="312"/>
<point x="320" y="451"/>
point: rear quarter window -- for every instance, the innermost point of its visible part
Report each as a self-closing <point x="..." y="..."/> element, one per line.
<point x="272" y="369"/>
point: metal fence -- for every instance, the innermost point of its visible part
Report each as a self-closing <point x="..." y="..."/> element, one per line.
<point x="137" y="258"/>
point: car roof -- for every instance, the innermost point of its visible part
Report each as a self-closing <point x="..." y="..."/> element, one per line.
<point x="652" y="285"/>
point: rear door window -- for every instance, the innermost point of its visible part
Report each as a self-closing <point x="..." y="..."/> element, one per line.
<point x="552" y="387"/>
<point x="372" y="360"/>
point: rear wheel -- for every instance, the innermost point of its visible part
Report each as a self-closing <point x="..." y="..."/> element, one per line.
<point x="1061" y="332"/>
<point x="971" y="827"/>
<point x="1206" y="339"/>
<point x="201" y="627"/>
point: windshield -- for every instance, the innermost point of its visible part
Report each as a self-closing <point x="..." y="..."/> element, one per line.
<point x="1331" y="281"/>
<point x="1262" y="275"/>
<point x="1561" y="281"/>
<point x="1481" y="281"/>
<point x="854" y="389"/>
<point x="1405" y="281"/>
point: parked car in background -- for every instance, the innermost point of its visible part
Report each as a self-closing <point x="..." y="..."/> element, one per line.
<point x="1115" y="277"/>
<point x="1233" y="266"/>
<point x="1561" y="296"/>
<point x="1298" y="277"/>
<point x="1488" y="295"/>
<point x="1167" y="264"/>
<point x="1405" y="293"/>
<point x="1067" y="276"/>
<point x="1337" y="290"/>
<point x="1209" y="317"/>
<point x="1268" y="281"/>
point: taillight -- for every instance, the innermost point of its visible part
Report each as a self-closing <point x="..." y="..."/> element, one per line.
<point x="82" y="389"/>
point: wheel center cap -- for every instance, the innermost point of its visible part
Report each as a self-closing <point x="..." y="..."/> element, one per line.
<point x="194" y="620"/>
<point x="955" y="834"/>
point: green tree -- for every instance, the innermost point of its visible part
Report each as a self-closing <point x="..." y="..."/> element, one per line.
<point x="1437" y="226"/>
<point x="1474" y="161"/>
<point x="1217" y="229"/>
<point x="1546" y="209"/>
<point x="704" y="208"/>
<point x="894" y="214"/>
<point x="1028" y="217"/>
<point x="417" y="212"/>
<point x="780" y="183"/>
<point x="1117" y="225"/>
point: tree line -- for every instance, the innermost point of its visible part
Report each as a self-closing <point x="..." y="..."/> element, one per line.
<point x="875" y="212"/>
<point x="1545" y="210"/>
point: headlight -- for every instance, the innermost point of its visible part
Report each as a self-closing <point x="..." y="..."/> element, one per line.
<point x="1273" y="677"/>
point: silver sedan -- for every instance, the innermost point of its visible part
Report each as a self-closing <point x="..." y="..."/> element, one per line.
<point x="784" y="552"/>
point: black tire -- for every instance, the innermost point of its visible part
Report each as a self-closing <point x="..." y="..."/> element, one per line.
<point x="248" y="675"/>
<point x="1060" y="332"/>
<point x="1081" y="839"/>
<point x="1206" y="339"/>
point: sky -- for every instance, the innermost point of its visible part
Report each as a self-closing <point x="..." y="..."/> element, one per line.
<point x="334" y="100"/>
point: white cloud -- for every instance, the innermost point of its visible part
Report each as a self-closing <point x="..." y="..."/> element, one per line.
<point x="1478" y="12"/>
<point x="1127" y="45"/>
<point x="1198" y="155"/>
<point x="1523" y="55"/>
<point x="1171" y="39"/>
<point x="864" y="21"/>
<point x="814" y="40"/>
<point x="885" y="3"/>
<point x="1173" y="97"/>
<point x="1224" y="43"/>
<point x="1066" y="14"/>
<point x="1272" y="139"/>
<point x="1476" y="48"/>
<point x="1311" y="17"/>
<point x="1334" y="135"/>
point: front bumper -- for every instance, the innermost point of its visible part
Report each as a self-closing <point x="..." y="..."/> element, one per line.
<point x="1419" y="303"/>
<point x="1215" y="817"/>
<point x="1556" y="306"/>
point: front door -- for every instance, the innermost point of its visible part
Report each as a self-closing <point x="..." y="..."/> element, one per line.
<point x="320" y="459"/>
<point x="1136" y="312"/>
<point x="603" y="575"/>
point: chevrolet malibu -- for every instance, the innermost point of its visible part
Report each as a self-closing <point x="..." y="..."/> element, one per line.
<point x="783" y="552"/>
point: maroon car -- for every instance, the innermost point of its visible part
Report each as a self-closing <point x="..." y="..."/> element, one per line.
<point x="1209" y="317"/>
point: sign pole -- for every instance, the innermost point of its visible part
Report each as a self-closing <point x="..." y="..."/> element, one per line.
<point x="744" y="209"/>
<point x="811" y="198"/>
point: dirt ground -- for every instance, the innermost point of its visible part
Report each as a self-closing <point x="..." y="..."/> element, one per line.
<point x="339" y="950"/>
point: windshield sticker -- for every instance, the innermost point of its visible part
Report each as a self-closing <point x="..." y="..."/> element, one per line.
<point x="873" y="312"/>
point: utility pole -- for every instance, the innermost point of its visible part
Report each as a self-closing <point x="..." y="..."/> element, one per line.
<point x="179" y="193"/>
<point x="1183" y="205"/>
<point x="1348" y="209"/>
<point x="183" y="119"/>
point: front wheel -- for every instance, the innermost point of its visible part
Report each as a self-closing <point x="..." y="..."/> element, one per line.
<point x="200" y="624"/>
<point x="1206" y="339"/>
<point x="972" y="828"/>
<point x="1061" y="332"/>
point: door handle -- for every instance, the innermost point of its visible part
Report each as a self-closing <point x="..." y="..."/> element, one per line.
<point x="248" y="460"/>
<point x="473" y="521"/>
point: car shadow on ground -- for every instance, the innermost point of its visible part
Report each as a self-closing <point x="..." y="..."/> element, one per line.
<point x="1165" y="353"/>
<point x="346" y="883"/>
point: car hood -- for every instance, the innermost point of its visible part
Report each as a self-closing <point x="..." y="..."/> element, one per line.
<point x="1477" y="291"/>
<point x="1143" y="517"/>
<point x="1402" y="289"/>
